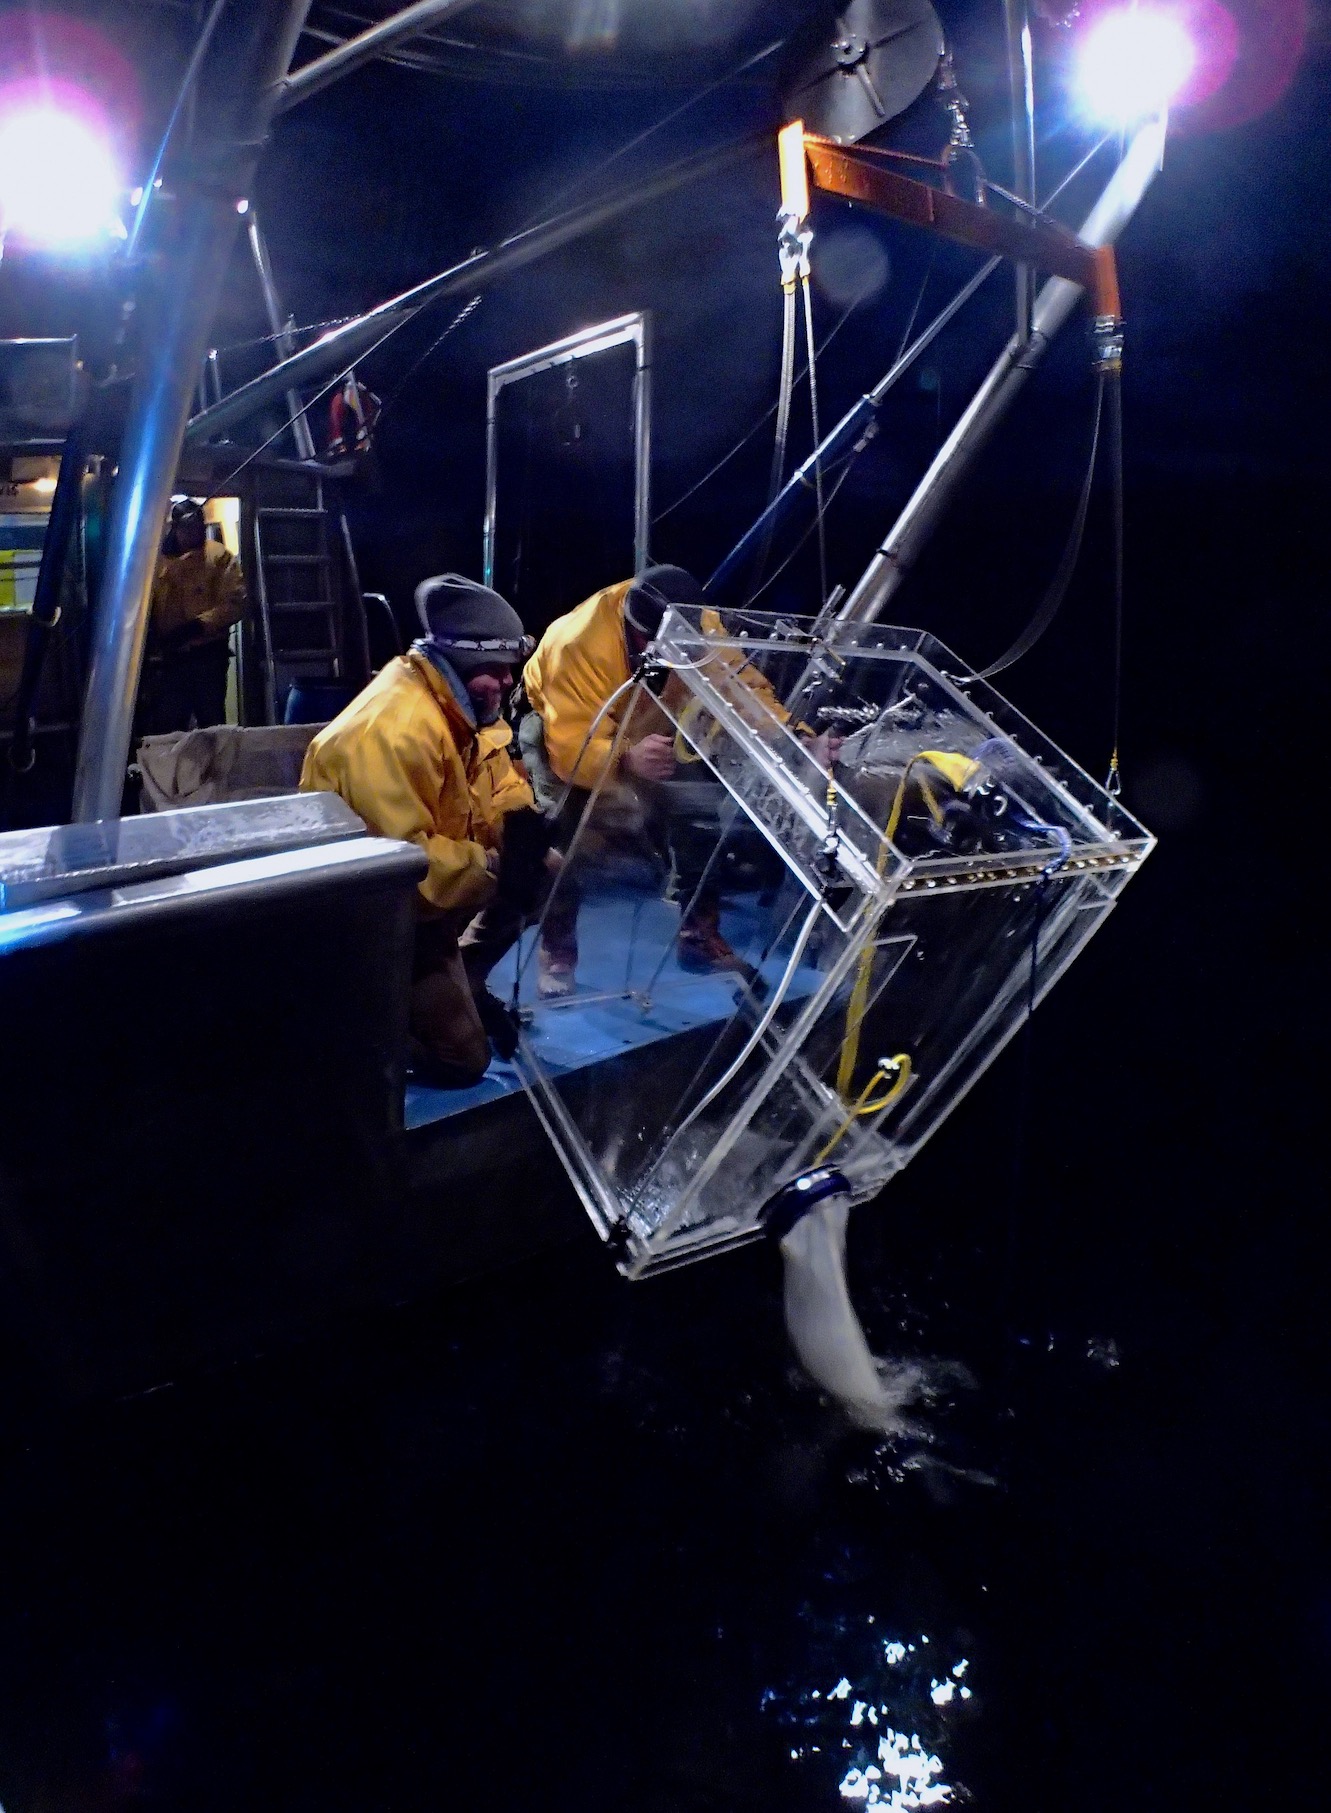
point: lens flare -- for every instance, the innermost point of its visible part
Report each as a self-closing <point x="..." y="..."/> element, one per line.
<point x="58" y="179"/>
<point x="1132" y="63"/>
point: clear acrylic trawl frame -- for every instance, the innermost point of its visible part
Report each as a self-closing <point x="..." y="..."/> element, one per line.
<point x="780" y="967"/>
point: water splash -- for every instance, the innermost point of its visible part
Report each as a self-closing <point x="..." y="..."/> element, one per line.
<point x="826" y="1333"/>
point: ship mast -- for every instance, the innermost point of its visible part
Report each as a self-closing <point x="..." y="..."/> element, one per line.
<point x="244" y="79"/>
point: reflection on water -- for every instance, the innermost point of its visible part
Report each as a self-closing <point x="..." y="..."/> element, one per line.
<point x="905" y="1771"/>
<point x="624" y="1511"/>
<point x="627" y="1494"/>
<point x="887" y="1732"/>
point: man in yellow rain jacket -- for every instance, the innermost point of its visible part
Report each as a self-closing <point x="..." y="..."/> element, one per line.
<point x="198" y="593"/>
<point x="583" y="659"/>
<point x="423" y="754"/>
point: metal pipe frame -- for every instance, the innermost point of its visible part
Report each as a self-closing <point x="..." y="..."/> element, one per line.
<point x="62" y="524"/>
<point x="249" y="54"/>
<point x="625" y="330"/>
<point x="1005" y="382"/>
<point x="282" y="340"/>
<point x="340" y="348"/>
<point x="1021" y="83"/>
<point x="313" y="77"/>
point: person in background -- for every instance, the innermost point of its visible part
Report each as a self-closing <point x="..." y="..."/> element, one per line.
<point x="198" y="593"/>
<point x="422" y="754"/>
<point x="583" y="659"/>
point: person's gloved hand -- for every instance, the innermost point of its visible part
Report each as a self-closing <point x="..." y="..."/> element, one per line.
<point x="825" y="748"/>
<point x="653" y="759"/>
<point x="523" y="873"/>
<point x="500" y="1026"/>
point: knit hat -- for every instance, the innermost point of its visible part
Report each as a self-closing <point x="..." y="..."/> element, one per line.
<point x="471" y="626"/>
<point x="652" y="594"/>
<point x="185" y="509"/>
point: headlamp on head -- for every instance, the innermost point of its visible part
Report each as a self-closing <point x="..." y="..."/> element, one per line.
<point x="492" y="648"/>
<point x="469" y="624"/>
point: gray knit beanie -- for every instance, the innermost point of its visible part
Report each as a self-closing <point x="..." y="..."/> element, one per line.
<point x="471" y="626"/>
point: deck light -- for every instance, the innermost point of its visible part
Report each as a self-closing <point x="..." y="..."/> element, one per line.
<point x="58" y="180"/>
<point x="1133" y="62"/>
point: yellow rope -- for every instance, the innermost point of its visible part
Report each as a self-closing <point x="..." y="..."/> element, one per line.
<point x="867" y="1103"/>
<point x="956" y="769"/>
<point x="684" y="752"/>
<point x="859" y="995"/>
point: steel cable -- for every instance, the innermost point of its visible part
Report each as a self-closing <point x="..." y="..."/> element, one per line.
<point x="1057" y="590"/>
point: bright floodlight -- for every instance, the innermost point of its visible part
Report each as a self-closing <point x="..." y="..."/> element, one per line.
<point x="58" y="180"/>
<point x="1133" y="63"/>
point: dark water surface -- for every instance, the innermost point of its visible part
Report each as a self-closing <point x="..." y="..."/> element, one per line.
<point x="558" y="1542"/>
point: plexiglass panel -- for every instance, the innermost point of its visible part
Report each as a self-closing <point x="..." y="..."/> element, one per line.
<point x="780" y="966"/>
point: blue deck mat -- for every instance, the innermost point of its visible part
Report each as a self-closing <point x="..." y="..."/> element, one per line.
<point x="620" y="941"/>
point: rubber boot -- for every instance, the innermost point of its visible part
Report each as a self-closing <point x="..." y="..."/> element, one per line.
<point x="703" y="949"/>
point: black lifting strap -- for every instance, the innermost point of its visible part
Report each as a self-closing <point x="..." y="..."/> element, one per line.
<point x="1052" y="602"/>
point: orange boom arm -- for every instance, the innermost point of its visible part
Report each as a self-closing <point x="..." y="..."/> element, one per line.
<point x="1039" y="243"/>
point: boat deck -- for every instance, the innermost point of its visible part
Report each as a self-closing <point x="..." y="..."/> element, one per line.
<point x="622" y="1004"/>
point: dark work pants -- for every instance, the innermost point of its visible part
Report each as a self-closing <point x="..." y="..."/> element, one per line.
<point x="677" y="831"/>
<point x="184" y="690"/>
<point x="452" y="958"/>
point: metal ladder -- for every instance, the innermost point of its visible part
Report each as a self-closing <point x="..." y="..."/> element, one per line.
<point x="299" y="619"/>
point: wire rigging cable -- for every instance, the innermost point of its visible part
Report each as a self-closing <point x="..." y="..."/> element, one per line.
<point x="843" y="473"/>
<point x="1114" y="780"/>
<point x="1108" y="373"/>
<point x="301" y="327"/>
<point x="340" y="377"/>
<point x="468" y="309"/>
<point x="1057" y="590"/>
<point x="760" y="423"/>
<point x="943" y="316"/>
<point x="825" y="503"/>
<point x="668" y="119"/>
<point x="792" y="248"/>
<point x="187" y="81"/>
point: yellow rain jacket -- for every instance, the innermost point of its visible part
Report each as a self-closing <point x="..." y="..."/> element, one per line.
<point x="404" y="756"/>
<point x="580" y="661"/>
<point x="197" y="596"/>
